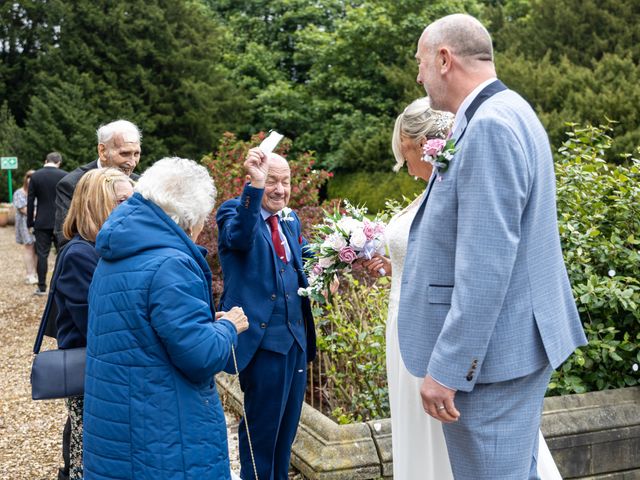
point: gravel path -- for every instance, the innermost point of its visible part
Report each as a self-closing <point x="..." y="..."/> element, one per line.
<point x="31" y="431"/>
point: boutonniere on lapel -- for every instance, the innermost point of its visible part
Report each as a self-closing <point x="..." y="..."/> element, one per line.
<point x="439" y="153"/>
<point x="285" y="215"/>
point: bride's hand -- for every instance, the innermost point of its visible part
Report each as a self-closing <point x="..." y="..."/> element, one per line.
<point x="378" y="266"/>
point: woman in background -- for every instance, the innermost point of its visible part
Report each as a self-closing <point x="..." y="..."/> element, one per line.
<point x="98" y="192"/>
<point x="23" y="235"/>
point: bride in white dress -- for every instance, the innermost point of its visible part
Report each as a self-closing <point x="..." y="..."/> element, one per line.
<point x="419" y="448"/>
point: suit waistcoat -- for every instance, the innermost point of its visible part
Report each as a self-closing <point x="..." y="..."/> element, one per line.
<point x="286" y="324"/>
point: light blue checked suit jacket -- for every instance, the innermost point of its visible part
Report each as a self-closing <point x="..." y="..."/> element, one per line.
<point x="485" y="295"/>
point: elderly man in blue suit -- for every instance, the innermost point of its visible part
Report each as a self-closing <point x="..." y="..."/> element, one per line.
<point x="260" y="245"/>
<point x="486" y="309"/>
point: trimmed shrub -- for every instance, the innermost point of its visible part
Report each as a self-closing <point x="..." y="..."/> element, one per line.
<point x="348" y="380"/>
<point x="599" y="220"/>
<point x="374" y="189"/>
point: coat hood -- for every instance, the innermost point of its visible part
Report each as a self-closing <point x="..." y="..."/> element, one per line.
<point x="139" y="225"/>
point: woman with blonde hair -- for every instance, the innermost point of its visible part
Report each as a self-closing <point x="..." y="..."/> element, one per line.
<point x="98" y="192"/>
<point x="23" y="235"/>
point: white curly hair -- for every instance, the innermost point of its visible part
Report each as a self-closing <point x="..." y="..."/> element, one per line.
<point x="180" y="187"/>
<point x="129" y="131"/>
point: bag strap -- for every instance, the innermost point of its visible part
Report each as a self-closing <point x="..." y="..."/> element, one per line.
<point x="244" y="414"/>
<point x="52" y="290"/>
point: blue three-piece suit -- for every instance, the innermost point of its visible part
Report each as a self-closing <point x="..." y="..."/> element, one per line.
<point x="272" y="354"/>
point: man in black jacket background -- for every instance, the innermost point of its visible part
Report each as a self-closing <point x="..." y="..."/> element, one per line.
<point x="41" y="213"/>
<point x="118" y="147"/>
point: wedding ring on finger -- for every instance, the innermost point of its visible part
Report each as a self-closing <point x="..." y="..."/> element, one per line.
<point x="441" y="407"/>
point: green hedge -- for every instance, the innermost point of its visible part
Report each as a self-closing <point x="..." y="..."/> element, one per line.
<point x="374" y="189"/>
<point x="599" y="224"/>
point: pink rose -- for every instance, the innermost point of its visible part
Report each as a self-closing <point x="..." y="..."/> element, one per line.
<point x="379" y="228"/>
<point x="347" y="255"/>
<point x="317" y="270"/>
<point x="434" y="146"/>
<point x="369" y="230"/>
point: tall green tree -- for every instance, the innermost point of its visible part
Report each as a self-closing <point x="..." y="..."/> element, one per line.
<point x="581" y="30"/>
<point x="27" y="30"/>
<point x="158" y="63"/>
<point x="10" y="141"/>
<point x="340" y="84"/>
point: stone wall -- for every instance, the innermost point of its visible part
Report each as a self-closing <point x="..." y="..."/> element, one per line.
<point x="595" y="435"/>
<point x="592" y="436"/>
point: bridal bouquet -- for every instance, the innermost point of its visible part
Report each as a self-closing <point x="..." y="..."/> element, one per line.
<point x="339" y="241"/>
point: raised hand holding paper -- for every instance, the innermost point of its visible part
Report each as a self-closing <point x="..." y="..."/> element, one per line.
<point x="270" y="143"/>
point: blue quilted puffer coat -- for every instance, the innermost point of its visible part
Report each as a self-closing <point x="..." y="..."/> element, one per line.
<point x="151" y="408"/>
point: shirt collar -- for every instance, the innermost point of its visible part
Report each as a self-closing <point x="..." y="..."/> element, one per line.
<point x="266" y="213"/>
<point x="51" y="165"/>
<point x="461" y="121"/>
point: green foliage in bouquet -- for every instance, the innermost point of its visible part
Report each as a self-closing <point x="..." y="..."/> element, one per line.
<point x="350" y="378"/>
<point x="599" y="220"/>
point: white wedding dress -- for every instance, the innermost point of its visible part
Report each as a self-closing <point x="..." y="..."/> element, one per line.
<point x="419" y="448"/>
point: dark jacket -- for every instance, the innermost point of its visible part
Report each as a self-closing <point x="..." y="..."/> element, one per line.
<point x="64" y="193"/>
<point x="74" y="271"/>
<point x="151" y="409"/>
<point x="42" y="188"/>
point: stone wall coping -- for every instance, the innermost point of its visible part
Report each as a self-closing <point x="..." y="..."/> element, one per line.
<point x="592" y="411"/>
<point x="591" y="423"/>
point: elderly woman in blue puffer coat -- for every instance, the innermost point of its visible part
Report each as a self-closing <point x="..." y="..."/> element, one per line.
<point x="154" y="341"/>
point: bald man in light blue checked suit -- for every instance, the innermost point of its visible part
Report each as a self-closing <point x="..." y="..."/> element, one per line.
<point x="486" y="309"/>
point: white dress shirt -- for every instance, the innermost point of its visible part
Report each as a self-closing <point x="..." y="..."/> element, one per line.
<point x="266" y="214"/>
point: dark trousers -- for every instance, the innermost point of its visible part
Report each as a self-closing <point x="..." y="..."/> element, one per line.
<point x="44" y="239"/>
<point x="63" y="473"/>
<point x="273" y="386"/>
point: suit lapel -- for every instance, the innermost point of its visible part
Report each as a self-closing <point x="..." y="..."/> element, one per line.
<point x="288" y="233"/>
<point x="485" y="94"/>
<point x="418" y="216"/>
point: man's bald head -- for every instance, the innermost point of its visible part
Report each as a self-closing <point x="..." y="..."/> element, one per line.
<point x="454" y="56"/>
<point x="277" y="161"/>
<point x="463" y="34"/>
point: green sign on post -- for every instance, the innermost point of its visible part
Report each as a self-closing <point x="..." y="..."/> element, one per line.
<point x="9" y="163"/>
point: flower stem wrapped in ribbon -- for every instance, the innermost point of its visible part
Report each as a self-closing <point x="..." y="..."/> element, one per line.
<point x="338" y="242"/>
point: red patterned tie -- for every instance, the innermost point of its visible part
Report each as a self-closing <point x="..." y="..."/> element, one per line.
<point x="275" y="237"/>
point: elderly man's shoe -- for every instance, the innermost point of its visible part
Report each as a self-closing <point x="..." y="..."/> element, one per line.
<point x="40" y="293"/>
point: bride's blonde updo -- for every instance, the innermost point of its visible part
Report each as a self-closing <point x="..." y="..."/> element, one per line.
<point x="419" y="121"/>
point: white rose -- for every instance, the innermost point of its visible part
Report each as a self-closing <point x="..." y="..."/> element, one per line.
<point x="358" y="238"/>
<point x="336" y="241"/>
<point x="325" y="262"/>
<point x="347" y="224"/>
